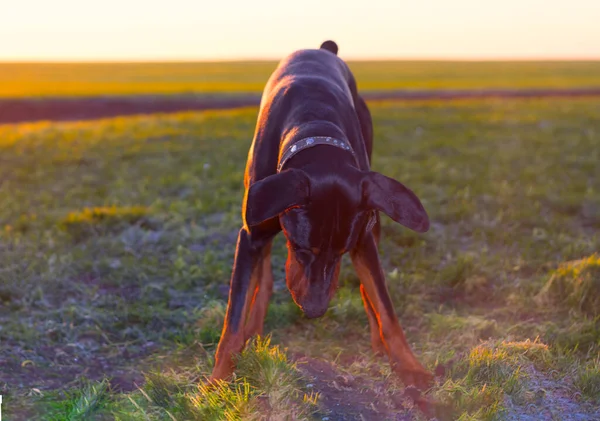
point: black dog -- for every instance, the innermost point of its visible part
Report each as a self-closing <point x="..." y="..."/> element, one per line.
<point x="308" y="175"/>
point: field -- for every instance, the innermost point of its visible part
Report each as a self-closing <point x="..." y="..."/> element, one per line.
<point x="117" y="239"/>
<point x="19" y="80"/>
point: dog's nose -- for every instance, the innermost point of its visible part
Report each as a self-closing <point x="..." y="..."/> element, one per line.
<point x="314" y="301"/>
<point x="312" y="286"/>
<point x="313" y="310"/>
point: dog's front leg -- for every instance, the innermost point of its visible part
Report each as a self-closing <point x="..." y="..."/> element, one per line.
<point x="366" y="261"/>
<point x="247" y="266"/>
<point x="376" y="342"/>
<point x="261" y="295"/>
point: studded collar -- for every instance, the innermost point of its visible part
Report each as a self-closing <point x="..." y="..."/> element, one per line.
<point x="309" y="142"/>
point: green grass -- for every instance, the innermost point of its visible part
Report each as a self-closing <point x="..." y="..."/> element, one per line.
<point x="587" y="380"/>
<point x="81" y="404"/>
<point x="99" y="221"/>
<point x="576" y="284"/>
<point x="478" y="388"/>
<point x="267" y="385"/>
<point x="82" y="79"/>
<point x="117" y="239"/>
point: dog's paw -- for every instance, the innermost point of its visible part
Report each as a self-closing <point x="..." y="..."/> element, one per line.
<point x="420" y="379"/>
<point x="220" y="373"/>
<point x="429" y="407"/>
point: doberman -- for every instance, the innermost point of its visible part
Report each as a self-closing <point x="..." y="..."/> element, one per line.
<point x="308" y="174"/>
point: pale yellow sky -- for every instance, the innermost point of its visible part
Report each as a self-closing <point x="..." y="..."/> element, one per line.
<point x="219" y="29"/>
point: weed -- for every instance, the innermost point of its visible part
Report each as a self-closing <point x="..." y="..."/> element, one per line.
<point x="282" y="314"/>
<point x="162" y="389"/>
<point x="81" y="404"/>
<point x="348" y="307"/>
<point x="455" y="274"/>
<point x="535" y="351"/>
<point x="587" y="379"/>
<point x="268" y="388"/>
<point x="104" y="220"/>
<point x="479" y="383"/>
<point x="465" y="330"/>
<point x="223" y="401"/>
<point x="576" y="284"/>
<point x="482" y="403"/>
<point x="267" y="367"/>
<point x="494" y="366"/>
<point x="581" y="334"/>
<point x="210" y="322"/>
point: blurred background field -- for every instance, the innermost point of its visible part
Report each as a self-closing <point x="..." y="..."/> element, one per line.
<point x="18" y="80"/>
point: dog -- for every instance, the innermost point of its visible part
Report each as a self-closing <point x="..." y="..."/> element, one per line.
<point x="308" y="175"/>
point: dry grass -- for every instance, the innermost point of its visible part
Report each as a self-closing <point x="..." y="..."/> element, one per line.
<point x="575" y="284"/>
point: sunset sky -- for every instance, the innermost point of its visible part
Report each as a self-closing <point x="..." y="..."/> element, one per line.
<point x="213" y="29"/>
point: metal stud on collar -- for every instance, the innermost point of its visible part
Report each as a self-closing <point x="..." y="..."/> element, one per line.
<point x="310" y="142"/>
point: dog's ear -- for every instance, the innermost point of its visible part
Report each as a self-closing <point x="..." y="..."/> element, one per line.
<point x="272" y="195"/>
<point x="395" y="200"/>
<point x="330" y="46"/>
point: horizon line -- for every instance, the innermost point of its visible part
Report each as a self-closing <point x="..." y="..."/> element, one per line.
<point x="277" y="59"/>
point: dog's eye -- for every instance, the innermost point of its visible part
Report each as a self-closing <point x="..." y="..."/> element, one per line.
<point x="304" y="256"/>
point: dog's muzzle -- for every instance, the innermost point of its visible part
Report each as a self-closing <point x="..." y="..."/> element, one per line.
<point x="312" y="291"/>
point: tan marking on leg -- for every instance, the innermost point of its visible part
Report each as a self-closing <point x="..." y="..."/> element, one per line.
<point x="402" y="359"/>
<point x="261" y="298"/>
<point x="376" y="342"/>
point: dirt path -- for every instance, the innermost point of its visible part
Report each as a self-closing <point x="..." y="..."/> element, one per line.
<point x="87" y="108"/>
<point x="353" y="398"/>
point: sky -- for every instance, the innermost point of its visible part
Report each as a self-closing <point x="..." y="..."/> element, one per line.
<point x="133" y="30"/>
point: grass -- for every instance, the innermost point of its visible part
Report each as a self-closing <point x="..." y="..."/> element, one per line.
<point x="99" y="221"/>
<point x="99" y="79"/>
<point x="587" y="380"/>
<point x="81" y="404"/>
<point x="268" y="385"/>
<point x="478" y="385"/>
<point x="576" y="284"/>
<point x="117" y="239"/>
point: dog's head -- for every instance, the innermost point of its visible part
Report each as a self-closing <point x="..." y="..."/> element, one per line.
<point x="325" y="219"/>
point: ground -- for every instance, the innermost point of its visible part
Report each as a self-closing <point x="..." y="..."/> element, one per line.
<point x="117" y="242"/>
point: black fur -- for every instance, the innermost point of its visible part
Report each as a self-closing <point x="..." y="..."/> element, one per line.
<point x="330" y="46"/>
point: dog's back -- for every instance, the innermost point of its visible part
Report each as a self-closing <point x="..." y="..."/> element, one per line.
<point x="310" y="70"/>
<point x="311" y="93"/>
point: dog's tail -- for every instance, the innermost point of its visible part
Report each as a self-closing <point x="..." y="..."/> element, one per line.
<point x="330" y="46"/>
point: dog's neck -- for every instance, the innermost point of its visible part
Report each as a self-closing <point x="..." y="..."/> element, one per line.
<point x="296" y="146"/>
